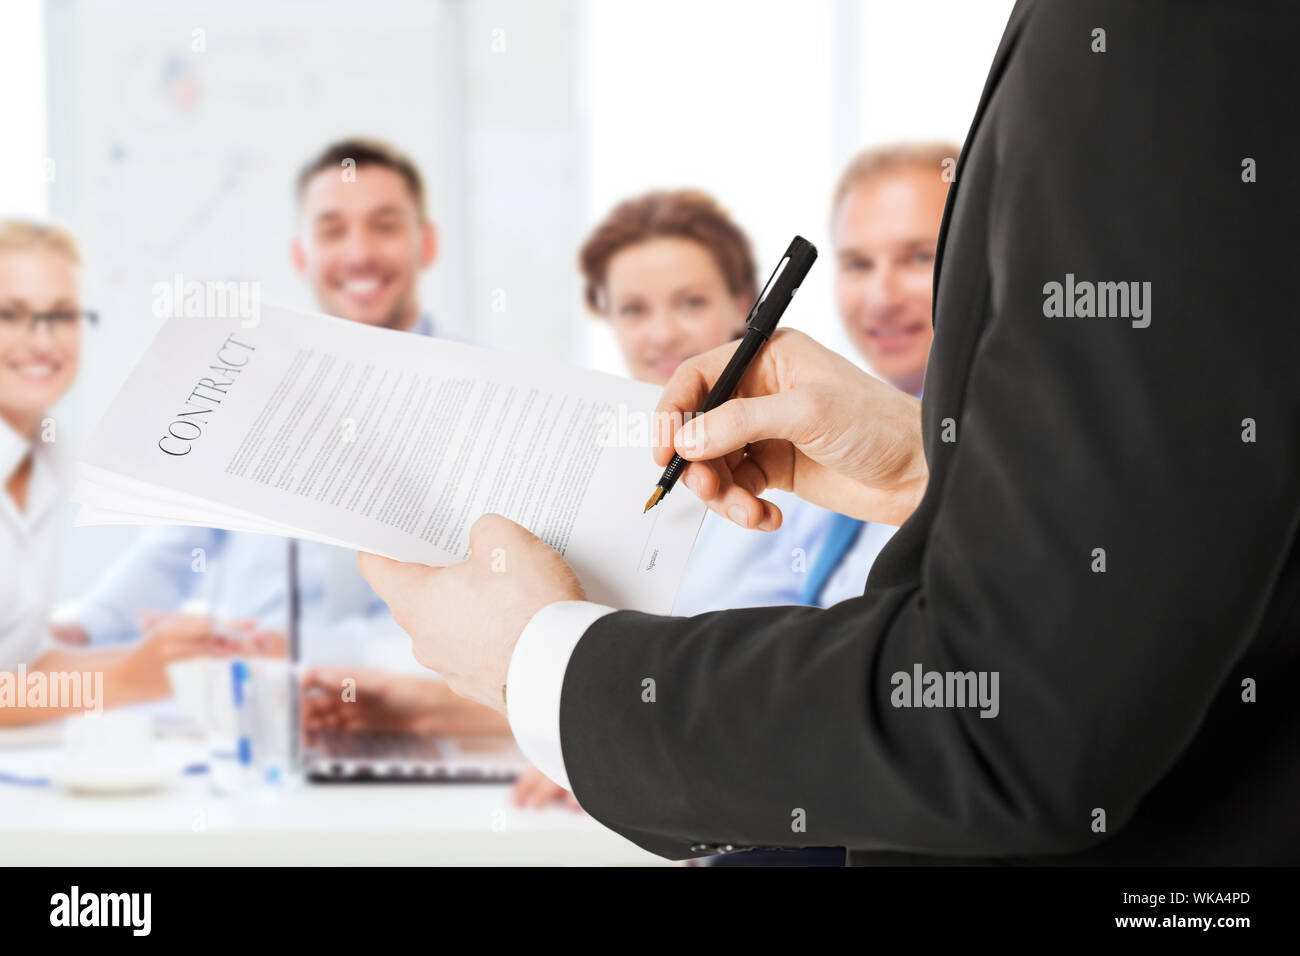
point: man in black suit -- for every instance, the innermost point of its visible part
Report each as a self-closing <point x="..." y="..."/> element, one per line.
<point x="1083" y="646"/>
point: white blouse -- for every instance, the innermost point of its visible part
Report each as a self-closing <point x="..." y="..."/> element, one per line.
<point x="29" y="546"/>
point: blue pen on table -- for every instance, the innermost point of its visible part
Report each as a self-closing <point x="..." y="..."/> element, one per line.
<point x="239" y="690"/>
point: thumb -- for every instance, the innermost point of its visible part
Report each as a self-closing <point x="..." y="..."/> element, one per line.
<point x="390" y="578"/>
<point x="739" y="422"/>
<point x="494" y="531"/>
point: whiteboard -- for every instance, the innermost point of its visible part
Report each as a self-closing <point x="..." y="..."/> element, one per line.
<point x="176" y="152"/>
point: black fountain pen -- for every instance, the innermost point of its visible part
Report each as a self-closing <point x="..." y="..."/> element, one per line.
<point x="760" y="325"/>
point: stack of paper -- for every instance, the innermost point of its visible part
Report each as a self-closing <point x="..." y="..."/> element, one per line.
<point x="391" y="442"/>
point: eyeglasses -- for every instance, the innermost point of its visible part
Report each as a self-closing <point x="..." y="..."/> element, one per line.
<point x="15" y="319"/>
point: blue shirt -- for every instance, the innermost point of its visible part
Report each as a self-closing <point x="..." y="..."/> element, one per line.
<point x="735" y="567"/>
<point x="236" y="575"/>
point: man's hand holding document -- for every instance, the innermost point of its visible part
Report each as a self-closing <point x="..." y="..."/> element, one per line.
<point x="312" y="427"/>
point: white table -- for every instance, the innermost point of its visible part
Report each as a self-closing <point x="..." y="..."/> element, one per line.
<point x="333" y="824"/>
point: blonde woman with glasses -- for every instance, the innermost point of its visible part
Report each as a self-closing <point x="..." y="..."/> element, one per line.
<point x="42" y="326"/>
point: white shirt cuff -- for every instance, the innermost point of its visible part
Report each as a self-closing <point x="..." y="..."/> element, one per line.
<point x="535" y="681"/>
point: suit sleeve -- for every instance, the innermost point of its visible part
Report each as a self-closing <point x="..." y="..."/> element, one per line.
<point x="1111" y="498"/>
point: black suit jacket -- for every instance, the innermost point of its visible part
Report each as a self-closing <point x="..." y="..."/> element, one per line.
<point x="1123" y="735"/>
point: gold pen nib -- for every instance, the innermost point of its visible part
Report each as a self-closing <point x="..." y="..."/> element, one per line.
<point x="654" y="498"/>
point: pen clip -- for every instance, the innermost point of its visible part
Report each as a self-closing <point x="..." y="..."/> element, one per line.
<point x="762" y="296"/>
<point x="785" y="281"/>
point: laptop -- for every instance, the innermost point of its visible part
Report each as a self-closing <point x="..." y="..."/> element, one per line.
<point x="379" y="756"/>
<point x="387" y="756"/>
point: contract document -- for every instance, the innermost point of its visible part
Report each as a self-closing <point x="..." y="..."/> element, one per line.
<point x="313" y="427"/>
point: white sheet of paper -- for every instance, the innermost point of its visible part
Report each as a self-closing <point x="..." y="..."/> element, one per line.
<point x="309" y="426"/>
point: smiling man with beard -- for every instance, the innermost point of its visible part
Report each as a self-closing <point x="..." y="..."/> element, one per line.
<point x="364" y="237"/>
<point x="365" y="234"/>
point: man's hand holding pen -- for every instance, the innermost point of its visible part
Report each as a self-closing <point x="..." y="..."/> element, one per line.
<point x="804" y="420"/>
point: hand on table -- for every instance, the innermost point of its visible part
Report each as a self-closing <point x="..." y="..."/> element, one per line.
<point x="534" y="790"/>
<point x="74" y="635"/>
<point x="203" y="632"/>
<point x="141" y="672"/>
<point x="340" y="698"/>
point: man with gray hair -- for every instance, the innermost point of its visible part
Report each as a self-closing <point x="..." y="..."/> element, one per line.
<point x="885" y="214"/>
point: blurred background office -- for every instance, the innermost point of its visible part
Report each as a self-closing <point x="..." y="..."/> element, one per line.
<point x="167" y="133"/>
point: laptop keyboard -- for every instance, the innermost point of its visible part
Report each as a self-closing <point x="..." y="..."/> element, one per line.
<point x="375" y="745"/>
<point x="395" y="757"/>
